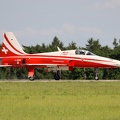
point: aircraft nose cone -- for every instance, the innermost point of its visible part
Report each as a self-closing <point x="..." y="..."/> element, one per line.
<point x="116" y="63"/>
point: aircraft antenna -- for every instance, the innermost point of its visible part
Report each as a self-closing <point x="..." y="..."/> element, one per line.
<point x="58" y="49"/>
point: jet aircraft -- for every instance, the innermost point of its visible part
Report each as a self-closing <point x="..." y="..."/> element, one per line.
<point x="12" y="55"/>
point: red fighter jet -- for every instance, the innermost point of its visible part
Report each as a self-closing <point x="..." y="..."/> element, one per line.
<point x="12" y="55"/>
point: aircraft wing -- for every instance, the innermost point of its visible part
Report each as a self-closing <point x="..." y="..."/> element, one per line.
<point x="5" y="65"/>
<point x="48" y="65"/>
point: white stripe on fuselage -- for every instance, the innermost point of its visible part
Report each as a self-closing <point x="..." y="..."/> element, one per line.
<point x="84" y="58"/>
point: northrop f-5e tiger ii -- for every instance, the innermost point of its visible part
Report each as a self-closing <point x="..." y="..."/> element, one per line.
<point x="12" y="55"/>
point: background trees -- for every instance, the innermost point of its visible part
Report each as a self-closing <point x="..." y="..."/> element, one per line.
<point x="79" y="73"/>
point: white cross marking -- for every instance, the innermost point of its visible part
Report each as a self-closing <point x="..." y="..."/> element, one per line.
<point x="4" y="50"/>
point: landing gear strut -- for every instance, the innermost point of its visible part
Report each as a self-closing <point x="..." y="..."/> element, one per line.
<point x="31" y="76"/>
<point x="96" y="74"/>
<point x="57" y="75"/>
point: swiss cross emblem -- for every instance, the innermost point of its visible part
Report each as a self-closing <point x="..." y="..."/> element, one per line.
<point x="4" y="50"/>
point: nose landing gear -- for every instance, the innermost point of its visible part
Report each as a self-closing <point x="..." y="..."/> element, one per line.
<point x="96" y="74"/>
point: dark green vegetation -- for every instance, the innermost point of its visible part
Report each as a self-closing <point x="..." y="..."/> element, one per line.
<point x="60" y="100"/>
<point x="92" y="45"/>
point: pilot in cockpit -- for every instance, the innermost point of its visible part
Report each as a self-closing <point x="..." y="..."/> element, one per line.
<point x="80" y="52"/>
<point x="83" y="52"/>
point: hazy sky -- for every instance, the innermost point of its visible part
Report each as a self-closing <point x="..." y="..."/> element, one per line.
<point x="39" y="21"/>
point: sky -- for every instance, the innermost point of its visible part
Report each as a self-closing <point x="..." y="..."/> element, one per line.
<point x="39" y="21"/>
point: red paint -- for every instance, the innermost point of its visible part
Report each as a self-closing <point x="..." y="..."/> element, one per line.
<point x="31" y="61"/>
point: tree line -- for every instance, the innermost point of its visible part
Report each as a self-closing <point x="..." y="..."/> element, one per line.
<point x="78" y="73"/>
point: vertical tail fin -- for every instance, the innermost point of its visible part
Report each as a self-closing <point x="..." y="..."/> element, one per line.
<point x="10" y="46"/>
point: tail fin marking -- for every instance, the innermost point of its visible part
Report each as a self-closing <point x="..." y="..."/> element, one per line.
<point x="10" y="45"/>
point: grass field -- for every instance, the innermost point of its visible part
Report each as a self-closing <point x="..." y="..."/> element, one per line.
<point x="60" y="100"/>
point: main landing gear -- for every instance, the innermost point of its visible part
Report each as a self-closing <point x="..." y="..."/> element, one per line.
<point x="57" y="75"/>
<point x="31" y="76"/>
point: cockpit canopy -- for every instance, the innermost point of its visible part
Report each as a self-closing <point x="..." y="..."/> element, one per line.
<point x="83" y="52"/>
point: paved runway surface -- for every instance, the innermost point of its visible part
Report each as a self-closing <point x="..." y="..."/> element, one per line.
<point x="60" y="80"/>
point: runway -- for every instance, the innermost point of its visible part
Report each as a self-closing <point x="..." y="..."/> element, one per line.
<point x="25" y="80"/>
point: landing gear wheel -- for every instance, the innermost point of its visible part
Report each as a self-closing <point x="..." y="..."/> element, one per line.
<point x="96" y="78"/>
<point x="31" y="78"/>
<point x="57" y="75"/>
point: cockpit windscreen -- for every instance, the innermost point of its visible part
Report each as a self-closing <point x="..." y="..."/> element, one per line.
<point x="83" y="52"/>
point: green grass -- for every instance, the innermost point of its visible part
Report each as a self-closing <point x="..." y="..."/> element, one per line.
<point x="60" y="101"/>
